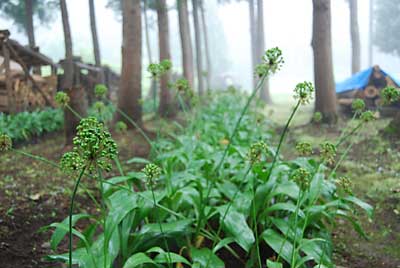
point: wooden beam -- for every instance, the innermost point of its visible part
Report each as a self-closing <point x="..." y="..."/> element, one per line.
<point x="11" y="100"/>
<point x="27" y="74"/>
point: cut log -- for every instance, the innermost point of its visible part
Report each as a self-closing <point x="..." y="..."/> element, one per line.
<point x="371" y="92"/>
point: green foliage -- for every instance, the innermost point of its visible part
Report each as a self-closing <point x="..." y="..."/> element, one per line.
<point x="358" y="106"/>
<point x="304" y="92"/>
<point x="103" y="112"/>
<point x="62" y="99"/>
<point x="390" y="95"/>
<point x="15" y="10"/>
<point x="25" y="125"/>
<point x="5" y="142"/>
<point x="100" y="90"/>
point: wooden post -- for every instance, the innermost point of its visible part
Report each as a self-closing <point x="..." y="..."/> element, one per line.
<point x="11" y="101"/>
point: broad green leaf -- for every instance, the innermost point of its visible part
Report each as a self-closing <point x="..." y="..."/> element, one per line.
<point x="170" y="257"/>
<point x="273" y="264"/>
<point x="65" y="228"/>
<point x="138" y="160"/>
<point x="224" y="242"/>
<point x="203" y="257"/>
<point x="278" y="243"/>
<point x="367" y="207"/>
<point x="59" y="233"/>
<point x="286" y="207"/>
<point x="235" y="224"/>
<point x="137" y="260"/>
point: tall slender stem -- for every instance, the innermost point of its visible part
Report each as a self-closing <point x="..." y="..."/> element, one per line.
<point x="71" y="208"/>
<point x="39" y="158"/>
<point x="103" y="215"/>
<point x="255" y="230"/>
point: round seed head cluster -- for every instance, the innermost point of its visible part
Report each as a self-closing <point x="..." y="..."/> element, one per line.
<point x="100" y="90"/>
<point x="304" y="148"/>
<point x="345" y="183"/>
<point x="62" y="99"/>
<point x="94" y="144"/>
<point x="367" y="116"/>
<point x="302" y="178"/>
<point x="166" y="65"/>
<point x="328" y="152"/>
<point x="358" y="105"/>
<point x="121" y="127"/>
<point x="390" y="95"/>
<point x="317" y="117"/>
<point x="99" y="106"/>
<point x="182" y="85"/>
<point x="71" y="162"/>
<point x="151" y="171"/>
<point x="5" y="143"/>
<point x="154" y="69"/>
<point x="272" y="62"/>
<point x="304" y="92"/>
<point x="257" y="150"/>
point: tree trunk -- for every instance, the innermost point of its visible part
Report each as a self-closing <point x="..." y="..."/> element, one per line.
<point x="199" y="54"/>
<point x="130" y="92"/>
<point x="186" y="41"/>
<point x="371" y="33"/>
<point x="29" y="23"/>
<point x="95" y="39"/>
<point x="67" y="84"/>
<point x="206" y="46"/>
<point x="166" y="108"/>
<point x="325" y="100"/>
<point x="153" y="85"/>
<point x="253" y="44"/>
<point x="264" y="92"/>
<point x="355" y="37"/>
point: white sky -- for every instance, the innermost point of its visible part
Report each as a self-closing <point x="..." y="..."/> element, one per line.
<point x="287" y="25"/>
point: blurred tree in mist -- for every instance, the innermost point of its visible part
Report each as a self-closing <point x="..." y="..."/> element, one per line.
<point x="355" y="37"/>
<point x="23" y="12"/>
<point x="387" y="26"/>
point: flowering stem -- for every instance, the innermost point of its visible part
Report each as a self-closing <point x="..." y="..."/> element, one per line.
<point x="73" y="111"/>
<point x="103" y="214"/>
<point x="138" y="128"/>
<point x="293" y="262"/>
<point x="226" y="213"/>
<point x="282" y="138"/>
<point x="255" y="230"/>
<point x="39" y="158"/>
<point x="71" y="208"/>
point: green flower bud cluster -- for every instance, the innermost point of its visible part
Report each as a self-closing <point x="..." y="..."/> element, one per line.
<point x="272" y="62"/>
<point x="345" y="183"/>
<point x="328" y="152"/>
<point x="390" y="95"/>
<point x="302" y="178"/>
<point x="5" y="143"/>
<point x="182" y="85"/>
<point x="304" y="148"/>
<point x="62" y="99"/>
<point x="100" y="90"/>
<point x="317" y="117"/>
<point x="367" y="116"/>
<point x="71" y="162"/>
<point x="121" y="127"/>
<point x="304" y="92"/>
<point x="256" y="151"/>
<point x="99" y="106"/>
<point x="151" y="171"/>
<point x="358" y="105"/>
<point x="93" y="146"/>
<point x="157" y="70"/>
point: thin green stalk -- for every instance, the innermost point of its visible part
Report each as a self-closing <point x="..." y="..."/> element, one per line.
<point x="73" y="111"/>
<point x="103" y="215"/>
<point x="160" y="225"/>
<point x="119" y="166"/>
<point x="282" y="138"/>
<point x="35" y="157"/>
<point x="138" y="128"/>
<point x="255" y="230"/>
<point x="226" y="213"/>
<point x="234" y="132"/>
<point x="350" y="134"/>
<point x="71" y="208"/>
<point x="293" y="262"/>
<point x="182" y="103"/>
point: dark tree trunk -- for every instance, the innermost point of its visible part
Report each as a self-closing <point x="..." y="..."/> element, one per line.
<point x="153" y="84"/>
<point x="67" y="83"/>
<point x="186" y="41"/>
<point x="325" y="100"/>
<point x="264" y="91"/>
<point x="199" y="54"/>
<point x="206" y="46"/>
<point x="166" y="108"/>
<point x="253" y="44"/>
<point x="130" y="92"/>
<point x="95" y="39"/>
<point x="355" y="37"/>
<point x="30" y="32"/>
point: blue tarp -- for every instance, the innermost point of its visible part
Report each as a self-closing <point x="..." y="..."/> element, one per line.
<point x="359" y="81"/>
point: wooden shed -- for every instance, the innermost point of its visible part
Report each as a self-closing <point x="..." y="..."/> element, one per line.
<point x="20" y="89"/>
